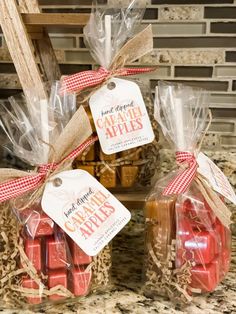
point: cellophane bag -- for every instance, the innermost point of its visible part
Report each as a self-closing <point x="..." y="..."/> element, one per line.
<point x="132" y="169"/>
<point x="118" y="22"/>
<point x="39" y="262"/>
<point x="188" y="247"/>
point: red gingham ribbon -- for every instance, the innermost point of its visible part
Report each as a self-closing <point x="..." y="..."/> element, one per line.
<point x="180" y="183"/>
<point x="17" y="187"/>
<point x="81" y="80"/>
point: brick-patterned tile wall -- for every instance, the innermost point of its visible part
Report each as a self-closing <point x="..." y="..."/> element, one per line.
<point x="194" y="42"/>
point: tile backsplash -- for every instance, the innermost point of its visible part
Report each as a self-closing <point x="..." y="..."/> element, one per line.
<point x="194" y="43"/>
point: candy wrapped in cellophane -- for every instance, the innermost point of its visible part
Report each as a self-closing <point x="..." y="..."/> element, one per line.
<point x="39" y="262"/>
<point x="130" y="169"/>
<point x="188" y="240"/>
<point x="108" y="36"/>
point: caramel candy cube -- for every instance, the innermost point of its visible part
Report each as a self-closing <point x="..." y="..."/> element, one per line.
<point x="128" y="175"/>
<point x="90" y="119"/>
<point x="134" y="154"/>
<point x="157" y="209"/>
<point x="162" y="212"/>
<point x="108" y="179"/>
<point x="90" y="156"/>
<point x="103" y="156"/>
<point x="89" y="169"/>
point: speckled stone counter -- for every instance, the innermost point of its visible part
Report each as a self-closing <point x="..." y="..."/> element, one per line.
<point x="125" y="296"/>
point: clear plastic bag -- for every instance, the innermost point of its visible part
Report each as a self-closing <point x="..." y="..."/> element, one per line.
<point x="54" y="267"/>
<point x="187" y="246"/>
<point x="109" y="28"/>
<point x="47" y="263"/>
<point x="31" y="128"/>
<point x="107" y="32"/>
<point x="53" y="260"/>
<point x="133" y="168"/>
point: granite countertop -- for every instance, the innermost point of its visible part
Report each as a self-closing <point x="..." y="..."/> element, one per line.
<point x="124" y="296"/>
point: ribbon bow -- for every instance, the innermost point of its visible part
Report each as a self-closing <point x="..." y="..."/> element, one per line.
<point x="17" y="187"/>
<point x="79" y="81"/>
<point x="182" y="181"/>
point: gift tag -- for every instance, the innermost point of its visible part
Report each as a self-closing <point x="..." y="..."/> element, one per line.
<point x="84" y="209"/>
<point x="215" y="177"/>
<point x="120" y="116"/>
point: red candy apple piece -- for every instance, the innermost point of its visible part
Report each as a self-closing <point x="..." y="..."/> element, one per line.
<point x="205" y="277"/>
<point x="55" y="278"/>
<point x="78" y="255"/>
<point x="33" y="252"/>
<point x="29" y="283"/>
<point x="56" y="253"/>
<point x="81" y="281"/>
<point x="39" y="224"/>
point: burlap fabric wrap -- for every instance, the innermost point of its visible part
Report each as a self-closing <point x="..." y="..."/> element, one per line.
<point x="134" y="49"/>
<point x="11" y="244"/>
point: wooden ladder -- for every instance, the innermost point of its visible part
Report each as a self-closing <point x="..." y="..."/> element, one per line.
<point x="24" y="28"/>
<point x="29" y="45"/>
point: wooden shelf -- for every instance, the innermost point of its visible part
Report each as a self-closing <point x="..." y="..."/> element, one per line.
<point x="132" y="200"/>
<point x="55" y="19"/>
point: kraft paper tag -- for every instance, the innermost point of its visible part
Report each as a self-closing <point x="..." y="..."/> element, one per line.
<point x="215" y="177"/>
<point x="120" y="116"/>
<point x="84" y="209"/>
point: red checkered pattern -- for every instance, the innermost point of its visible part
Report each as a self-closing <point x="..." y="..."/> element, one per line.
<point x="17" y="187"/>
<point x="180" y="183"/>
<point x="79" y="81"/>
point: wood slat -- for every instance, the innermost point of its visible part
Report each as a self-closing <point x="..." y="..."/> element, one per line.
<point x="43" y="46"/>
<point x="21" y="49"/>
<point x="35" y="31"/>
<point x="9" y="81"/>
<point x="34" y="28"/>
<point x="36" y="35"/>
<point x="56" y="19"/>
<point x="132" y="200"/>
<point x="29" y="6"/>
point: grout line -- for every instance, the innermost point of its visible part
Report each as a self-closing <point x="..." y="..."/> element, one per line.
<point x="230" y="87"/>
